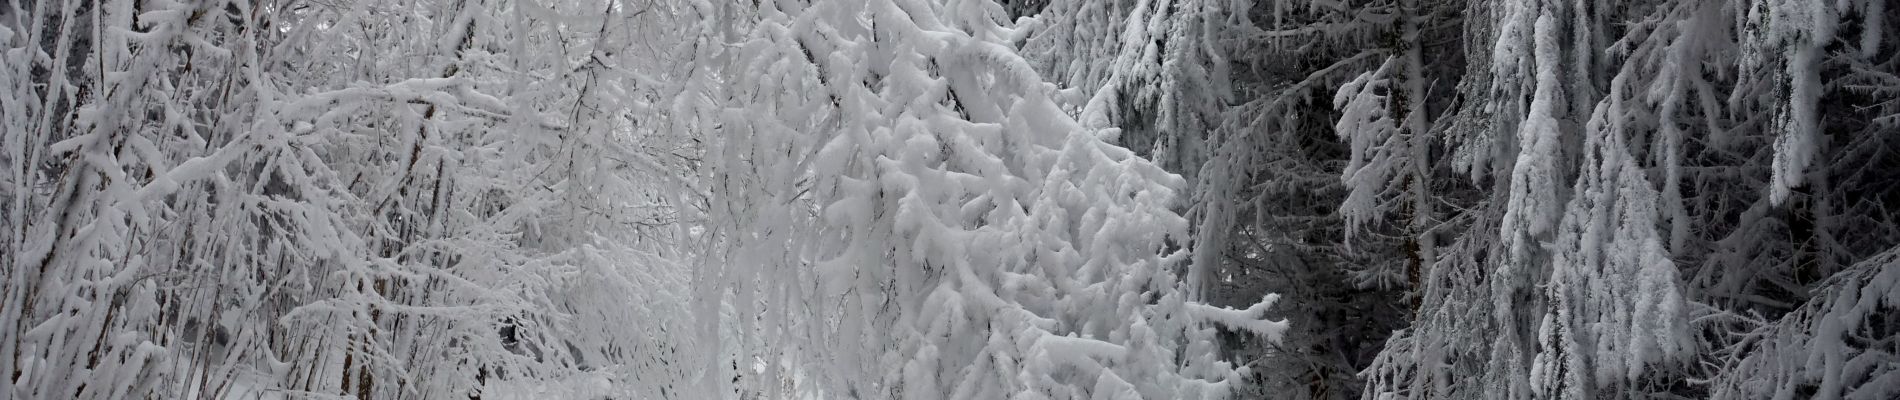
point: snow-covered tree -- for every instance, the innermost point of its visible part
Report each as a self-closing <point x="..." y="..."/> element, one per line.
<point x="912" y="214"/>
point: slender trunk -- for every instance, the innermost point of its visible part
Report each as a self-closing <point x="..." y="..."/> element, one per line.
<point x="1420" y="241"/>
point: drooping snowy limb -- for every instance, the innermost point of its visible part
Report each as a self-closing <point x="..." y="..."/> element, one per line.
<point x="1433" y="358"/>
<point x="1838" y="345"/>
<point x="1787" y="38"/>
<point x="1385" y="122"/>
<point x="1529" y="44"/>
<point x="1158" y="70"/>
<point x="1366" y="123"/>
<point x="1617" y="306"/>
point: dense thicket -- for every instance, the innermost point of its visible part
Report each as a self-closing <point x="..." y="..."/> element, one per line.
<point x="222" y="199"/>
<point x="965" y="199"/>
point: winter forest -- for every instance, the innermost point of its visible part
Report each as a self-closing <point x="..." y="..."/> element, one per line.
<point x="950" y="199"/>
